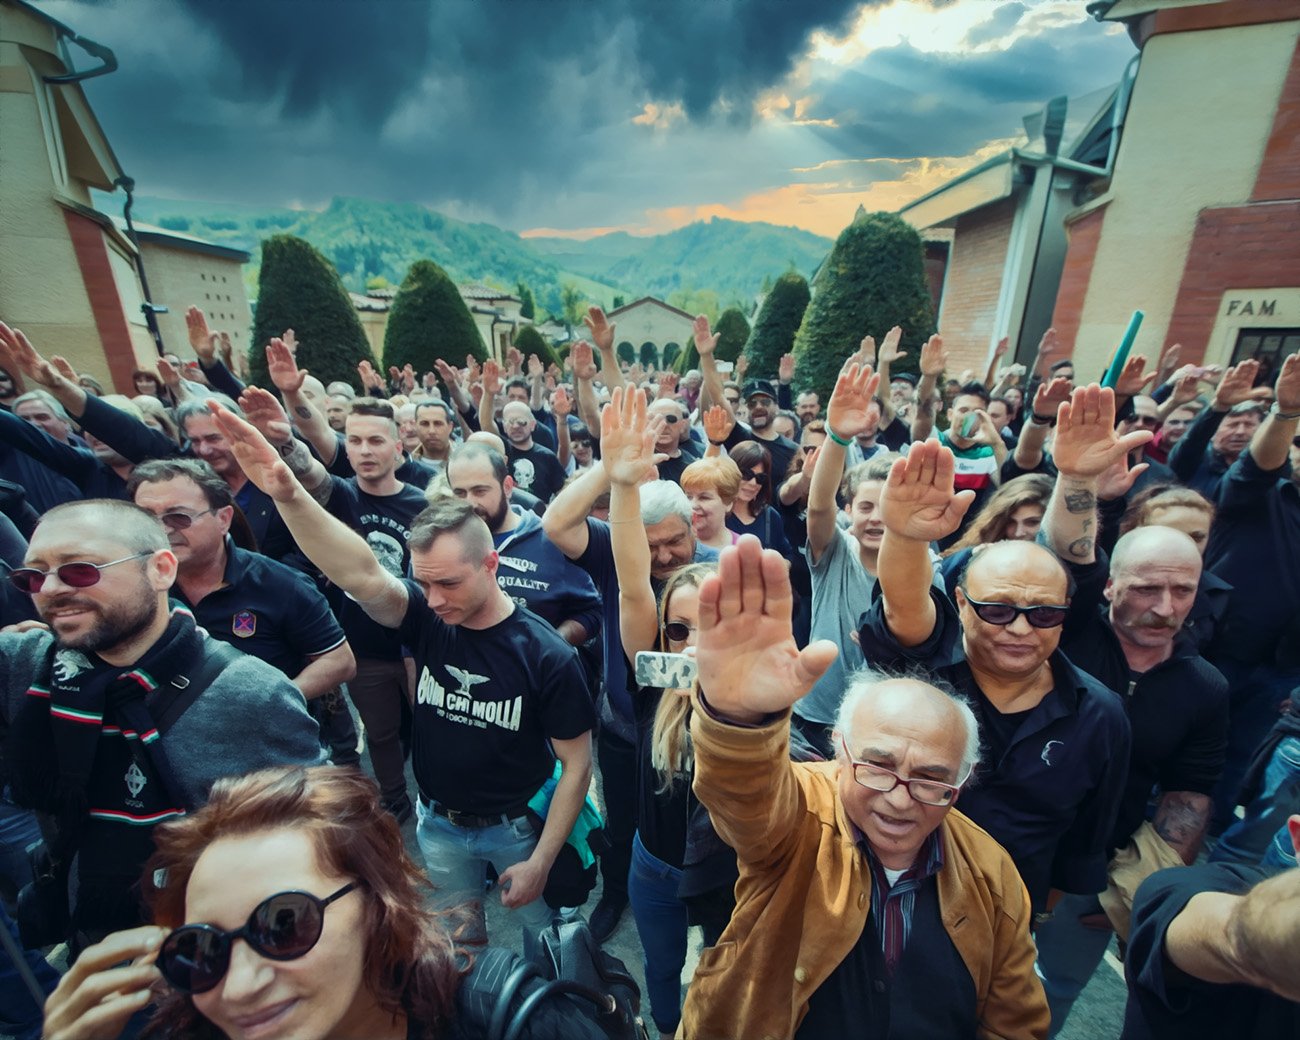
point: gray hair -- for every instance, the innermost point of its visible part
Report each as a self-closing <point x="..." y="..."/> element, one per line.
<point x="661" y="499"/>
<point x="195" y="407"/>
<point x="866" y="681"/>
<point x="46" y="398"/>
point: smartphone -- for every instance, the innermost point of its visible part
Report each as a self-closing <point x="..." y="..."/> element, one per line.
<point x="725" y="368"/>
<point x="968" y="424"/>
<point x="668" y="671"/>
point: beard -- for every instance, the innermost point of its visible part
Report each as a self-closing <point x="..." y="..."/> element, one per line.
<point x="496" y="517"/>
<point x="113" y="625"/>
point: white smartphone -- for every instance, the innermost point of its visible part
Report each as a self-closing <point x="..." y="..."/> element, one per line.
<point x="668" y="671"/>
<point x="725" y="368"/>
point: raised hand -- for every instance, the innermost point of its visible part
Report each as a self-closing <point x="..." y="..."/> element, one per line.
<point x="449" y="375"/>
<point x="1050" y="396"/>
<point x="561" y="403"/>
<point x="202" y="341"/>
<point x="514" y="361"/>
<point x="627" y="443"/>
<point x="1238" y="385"/>
<point x="985" y="431"/>
<point x="283" y="369"/>
<point x="749" y="664"/>
<point x="64" y="367"/>
<point x="1185" y="388"/>
<point x="1117" y="480"/>
<point x="1050" y="345"/>
<point x="535" y="367"/>
<point x="1288" y="385"/>
<point x="785" y="368"/>
<point x="583" y="360"/>
<point x="167" y="373"/>
<point x="227" y="349"/>
<point x="852" y="404"/>
<point x="742" y="366"/>
<point x="260" y="462"/>
<point x="109" y="983"/>
<point x="472" y="368"/>
<point x="291" y="341"/>
<point x="491" y="377"/>
<point x="705" y="340"/>
<point x="1086" y="443"/>
<point x="934" y="357"/>
<point x="17" y="353"/>
<point x="602" y="332"/>
<point x="667" y="384"/>
<point x="264" y="412"/>
<point x="889" y="352"/>
<point x="1011" y="374"/>
<point x="919" y="502"/>
<point x="1132" y="378"/>
<point x="370" y="379"/>
<point x="1168" y="364"/>
<point x="718" y="424"/>
<point x="408" y="378"/>
<point x="1002" y="346"/>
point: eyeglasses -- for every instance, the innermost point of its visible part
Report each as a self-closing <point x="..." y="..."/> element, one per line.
<point x="752" y="474"/>
<point x="1045" y="616"/>
<point x="516" y="422"/>
<point x="679" y="631"/>
<point x="284" y="927"/>
<point x="179" y="520"/>
<point x="878" y="778"/>
<point x="671" y="420"/>
<point x="79" y="575"/>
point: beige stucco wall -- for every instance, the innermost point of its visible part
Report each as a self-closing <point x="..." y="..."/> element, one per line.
<point x="1202" y="109"/>
<point x="650" y="323"/>
<point x="180" y="278"/>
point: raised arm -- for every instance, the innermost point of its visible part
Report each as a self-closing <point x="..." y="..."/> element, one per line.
<point x="205" y="345"/>
<point x="565" y="519"/>
<point x="848" y="413"/>
<point x="1271" y="444"/>
<point x="288" y="379"/>
<point x="999" y="352"/>
<point x="1042" y="418"/>
<point x="706" y="343"/>
<point x="340" y="553"/>
<point x="20" y="358"/>
<point x="487" y="405"/>
<point x="1050" y="350"/>
<point x="934" y="359"/>
<point x="264" y="413"/>
<point x="718" y="422"/>
<point x="460" y="401"/>
<point x="561" y="406"/>
<point x="626" y="452"/>
<point x="584" y="375"/>
<point x="602" y="334"/>
<point x="1086" y="447"/>
<point x="885" y="357"/>
<point x="918" y="506"/>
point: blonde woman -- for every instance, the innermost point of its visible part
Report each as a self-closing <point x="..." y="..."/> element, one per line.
<point x="681" y="872"/>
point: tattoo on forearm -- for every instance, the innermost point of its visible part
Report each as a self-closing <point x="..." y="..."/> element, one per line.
<point x="1181" y="819"/>
<point x="1080" y="501"/>
<point x="1079" y="548"/>
<point x="302" y="411"/>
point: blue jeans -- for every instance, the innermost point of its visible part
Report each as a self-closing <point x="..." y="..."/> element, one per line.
<point x="661" y="923"/>
<point x="20" y="1016"/>
<point x="1263" y="829"/>
<point x="1068" y="954"/>
<point x="456" y="858"/>
<point x="1257" y="690"/>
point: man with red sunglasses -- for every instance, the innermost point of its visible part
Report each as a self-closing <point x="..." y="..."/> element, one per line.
<point x="1056" y="739"/>
<point x="118" y="713"/>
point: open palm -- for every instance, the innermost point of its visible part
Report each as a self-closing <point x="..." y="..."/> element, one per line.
<point x="749" y="664"/>
<point x="627" y="442"/>
<point x="918" y="501"/>
<point x="259" y="461"/>
<point x="1086" y="443"/>
<point x="852" y="402"/>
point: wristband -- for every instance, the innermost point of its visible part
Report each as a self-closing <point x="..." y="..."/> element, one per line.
<point x="1049" y="420"/>
<point x="836" y="437"/>
<point x="1279" y="414"/>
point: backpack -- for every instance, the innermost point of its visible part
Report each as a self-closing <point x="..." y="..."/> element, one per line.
<point x="579" y="992"/>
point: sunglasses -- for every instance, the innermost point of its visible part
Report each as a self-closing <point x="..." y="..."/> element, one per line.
<point x="1006" y="613"/>
<point x="752" y="474"/>
<point x="180" y="521"/>
<point x="284" y="927"/>
<point x="878" y="778"/>
<point x="678" y="631"/>
<point x="78" y="575"/>
<point x="672" y="420"/>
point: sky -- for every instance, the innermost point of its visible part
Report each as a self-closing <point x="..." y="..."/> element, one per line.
<point x="576" y="117"/>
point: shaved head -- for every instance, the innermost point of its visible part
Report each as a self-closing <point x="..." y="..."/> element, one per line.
<point x="1013" y="560"/>
<point x="1154" y="542"/>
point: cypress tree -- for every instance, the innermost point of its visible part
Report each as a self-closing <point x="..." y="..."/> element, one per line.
<point x="777" y="322"/>
<point x="733" y="332"/>
<point x="873" y="279"/>
<point x="529" y="341"/>
<point x="429" y="320"/>
<point x="299" y="289"/>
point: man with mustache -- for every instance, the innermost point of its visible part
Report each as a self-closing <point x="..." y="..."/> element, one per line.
<point x="1126" y="628"/>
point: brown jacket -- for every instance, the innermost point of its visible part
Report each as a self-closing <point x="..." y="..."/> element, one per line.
<point x="805" y="891"/>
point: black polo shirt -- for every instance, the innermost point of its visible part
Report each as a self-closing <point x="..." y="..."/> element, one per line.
<point x="1178" y="710"/>
<point x="1051" y="794"/>
<point x="268" y="611"/>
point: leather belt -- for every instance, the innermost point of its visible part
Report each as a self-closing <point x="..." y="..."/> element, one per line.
<point x="464" y="819"/>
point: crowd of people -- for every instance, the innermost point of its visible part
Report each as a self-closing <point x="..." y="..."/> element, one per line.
<point x="913" y="700"/>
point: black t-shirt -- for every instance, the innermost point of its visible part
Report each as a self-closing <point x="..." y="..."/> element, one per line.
<point x="661" y="816"/>
<point x="486" y="702"/>
<point x="782" y="450"/>
<point x="384" y="521"/>
<point x="536" y="470"/>
<point x="1167" y="1004"/>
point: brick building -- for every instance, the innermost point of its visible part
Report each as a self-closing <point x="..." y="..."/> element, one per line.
<point x="1194" y="218"/>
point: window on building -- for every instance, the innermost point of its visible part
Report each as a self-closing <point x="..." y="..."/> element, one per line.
<point x="1268" y="347"/>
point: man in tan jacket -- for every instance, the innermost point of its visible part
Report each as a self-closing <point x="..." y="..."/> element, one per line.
<point x="865" y="905"/>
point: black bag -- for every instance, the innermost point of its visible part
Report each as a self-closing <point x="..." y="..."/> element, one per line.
<point x="579" y="993"/>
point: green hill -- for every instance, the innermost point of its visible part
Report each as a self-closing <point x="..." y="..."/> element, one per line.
<point x="366" y="239"/>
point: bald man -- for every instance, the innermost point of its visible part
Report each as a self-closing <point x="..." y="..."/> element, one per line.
<point x="1126" y="629"/>
<point x="866" y="904"/>
<point x="535" y="469"/>
<point x="1052" y="733"/>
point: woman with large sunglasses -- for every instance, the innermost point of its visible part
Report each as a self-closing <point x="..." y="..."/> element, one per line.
<point x="752" y="512"/>
<point x="287" y="906"/>
<point x="681" y="872"/>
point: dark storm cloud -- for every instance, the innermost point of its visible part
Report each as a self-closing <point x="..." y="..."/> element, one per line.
<point x="1003" y="19"/>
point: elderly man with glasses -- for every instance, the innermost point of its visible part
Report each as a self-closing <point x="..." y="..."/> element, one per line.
<point x="866" y="905"/>
<point x="1056" y="739"/>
